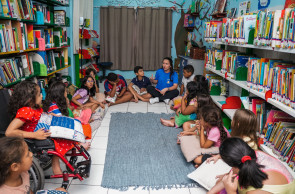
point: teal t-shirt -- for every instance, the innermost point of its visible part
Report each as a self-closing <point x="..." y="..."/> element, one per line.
<point x="164" y="80"/>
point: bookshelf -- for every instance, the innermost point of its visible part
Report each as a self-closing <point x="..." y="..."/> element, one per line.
<point x="243" y="84"/>
<point x="282" y="50"/>
<point x="21" y="49"/>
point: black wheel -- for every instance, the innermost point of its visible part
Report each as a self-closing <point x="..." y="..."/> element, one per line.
<point x="37" y="178"/>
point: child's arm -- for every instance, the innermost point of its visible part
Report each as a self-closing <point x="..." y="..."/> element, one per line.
<point x="75" y="100"/>
<point x="96" y="102"/>
<point x="185" y="133"/>
<point x="122" y="92"/>
<point x="130" y="88"/>
<point x="14" y="130"/>
<point x="181" y="89"/>
<point x="113" y="90"/>
<point x="204" y="142"/>
<point x="186" y="110"/>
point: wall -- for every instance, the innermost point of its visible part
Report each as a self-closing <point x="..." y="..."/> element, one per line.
<point x="198" y="34"/>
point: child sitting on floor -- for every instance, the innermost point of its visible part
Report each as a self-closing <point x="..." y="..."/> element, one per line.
<point x="116" y="89"/>
<point x="188" y="108"/>
<point x="15" y="161"/>
<point x="216" y="133"/>
<point x="188" y="76"/>
<point x="83" y="98"/>
<point x="139" y="84"/>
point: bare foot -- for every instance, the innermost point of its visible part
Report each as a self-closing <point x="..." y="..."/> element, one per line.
<point x="178" y="141"/>
<point x="172" y="108"/>
<point x="167" y="123"/>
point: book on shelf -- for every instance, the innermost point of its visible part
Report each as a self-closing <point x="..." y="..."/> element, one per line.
<point x="15" y="68"/>
<point x="21" y="9"/>
<point x="219" y="6"/>
<point x="60" y="17"/>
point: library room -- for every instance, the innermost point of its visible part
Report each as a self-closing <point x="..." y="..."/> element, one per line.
<point x="147" y="96"/>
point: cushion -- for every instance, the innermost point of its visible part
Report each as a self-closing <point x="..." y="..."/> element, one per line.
<point x="190" y="147"/>
<point x="62" y="127"/>
<point x="100" y="97"/>
<point x="177" y="102"/>
<point x="206" y="174"/>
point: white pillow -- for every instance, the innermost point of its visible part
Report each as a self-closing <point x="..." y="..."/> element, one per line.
<point x="61" y="127"/>
<point x="206" y="174"/>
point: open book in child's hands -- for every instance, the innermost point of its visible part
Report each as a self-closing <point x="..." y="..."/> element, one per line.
<point x="206" y="174"/>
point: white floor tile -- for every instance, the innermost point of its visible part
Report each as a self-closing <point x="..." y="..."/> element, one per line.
<point x="97" y="156"/>
<point x="94" y="179"/>
<point x="107" y="115"/>
<point x="198" y="190"/>
<point x="118" y="109"/>
<point x="137" y="109"/>
<point x="160" y="104"/>
<point x="171" y="191"/>
<point x="87" y="189"/>
<point x="129" y="191"/>
<point x="157" y="109"/>
<point x="99" y="143"/>
<point x="105" y="123"/>
<point x="102" y="131"/>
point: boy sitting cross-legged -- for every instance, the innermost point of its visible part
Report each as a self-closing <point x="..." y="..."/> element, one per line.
<point x="116" y="89"/>
<point x="139" y="84"/>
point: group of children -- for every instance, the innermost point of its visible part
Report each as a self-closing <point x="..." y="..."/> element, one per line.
<point x="197" y="114"/>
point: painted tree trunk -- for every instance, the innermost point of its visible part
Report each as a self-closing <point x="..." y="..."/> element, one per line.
<point x="180" y="36"/>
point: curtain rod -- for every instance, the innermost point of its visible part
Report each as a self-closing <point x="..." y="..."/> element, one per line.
<point x="138" y="7"/>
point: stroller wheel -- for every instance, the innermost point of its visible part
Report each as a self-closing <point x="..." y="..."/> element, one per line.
<point x="37" y="178"/>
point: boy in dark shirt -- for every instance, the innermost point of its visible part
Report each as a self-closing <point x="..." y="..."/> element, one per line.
<point x="139" y="84"/>
<point x="115" y="87"/>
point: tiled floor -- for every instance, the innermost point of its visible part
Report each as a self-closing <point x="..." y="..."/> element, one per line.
<point x="98" y="152"/>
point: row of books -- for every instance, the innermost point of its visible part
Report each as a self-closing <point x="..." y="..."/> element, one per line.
<point x="21" y="9"/>
<point x="226" y="61"/>
<point x="49" y="35"/>
<point x="217" y="85"/>
<point x="15" y="36"/>
<point x="53" y="60"/>
<point x="263" y="28"/>
<point x="262" y="74"/>
<point x="279" y="135"/>
<point x="46" y="11"/>
<point x="12" y="69"/>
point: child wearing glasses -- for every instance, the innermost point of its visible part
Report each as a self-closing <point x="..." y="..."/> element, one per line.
<point x="83" y="98"/>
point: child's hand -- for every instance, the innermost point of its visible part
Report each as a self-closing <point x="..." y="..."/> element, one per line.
<point x="185" y="95"/>
<point x="213" y="158"/>
<point x="152" y="78"/>
<point x="178" y="111"/>
<point x="41" y="134"/>
<point x="230" y="182"/>
<point x="102" y="105"/>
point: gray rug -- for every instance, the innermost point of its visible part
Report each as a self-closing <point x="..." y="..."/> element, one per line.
<point x="142" y="152"/>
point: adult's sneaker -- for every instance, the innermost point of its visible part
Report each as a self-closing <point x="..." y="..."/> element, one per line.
<point x="167" y="101"/>
<point x="154" y="100"/>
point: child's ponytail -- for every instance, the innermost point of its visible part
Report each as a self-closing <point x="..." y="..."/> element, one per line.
<point x="236" y="153"/>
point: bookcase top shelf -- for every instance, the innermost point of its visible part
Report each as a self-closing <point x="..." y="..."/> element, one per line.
<point x="52" y="2"/>
<point x="291" y="51"/>
<point x="243" y="84"/>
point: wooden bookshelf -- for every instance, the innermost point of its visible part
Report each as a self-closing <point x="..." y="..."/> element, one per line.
<point x="51" y="73"/>
<point x="19" y="80"/>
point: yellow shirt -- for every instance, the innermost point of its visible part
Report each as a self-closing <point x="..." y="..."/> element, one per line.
<point x="275" y="189"/>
